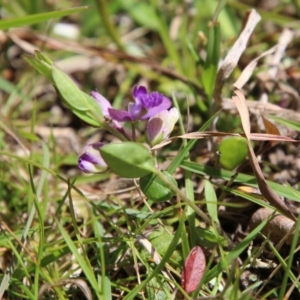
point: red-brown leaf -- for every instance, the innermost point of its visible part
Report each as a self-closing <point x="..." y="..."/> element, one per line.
<point x="193" y="270"/>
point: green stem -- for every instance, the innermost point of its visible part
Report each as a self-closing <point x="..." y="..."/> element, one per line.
<point x="176" y="190"/>
<point x="111" y="30"/>
<point x="163" y="31"/>
<point x="188" y="185"/>
<point x="115" y="132"/>
<point x="198" y="211"/>
<point x="218" y="9"/>
<point x="133" y="131"/>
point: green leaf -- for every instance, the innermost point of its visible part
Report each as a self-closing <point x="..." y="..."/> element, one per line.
<point x="211" y="201"/>
<point x="155" y="189"/>
<point x="212" y="58"/>
<point x="289" y="123"/>
<point x="42" y="66"/>
<point x="142" y="13"/>
<point x="209" y="239"/>
<point x="161" y="241"/>
<point x="80" y="259"/>
<point x="138" y="214"/>
<point x="69" y="90"/>
<point x="38" y="18"/>
<point x="233" y="152"/>
<point x="94" y="115"/>
<point x="81" y="104"/>
<point x="128" y="159"/>
<point x="42" y="57"/>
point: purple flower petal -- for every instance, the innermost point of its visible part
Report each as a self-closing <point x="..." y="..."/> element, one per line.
<point x="102" y="102"/>
<point x="138" y="93"/>
<point x="91" y="160"/>
<point x="161" y="125"/>
<point x="105" y="106"/>
<point x="154" y="130"/>
<point x="164" y="105"/>
<point x="146" y="105"/>
<point x="119" y="115"/>
<point x="151" y="100"/>
<point x="135" y="110"/>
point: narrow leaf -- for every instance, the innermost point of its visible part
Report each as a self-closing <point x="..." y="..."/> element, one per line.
<point x="153" y="252"/>
<point x="212" y="58"/>
<point x="69" y="90"/>
<point x="84" y="106"/>
<point x="38" y="18"/>
<point x="79" y="258"/>
<point x="266" y="191"/>
<point x="172" y="246"/>
<point x="211" y="201"/>
<point x="41" y="66"/>
<point x="232" y="58"/>
<point x="248" y="71"/>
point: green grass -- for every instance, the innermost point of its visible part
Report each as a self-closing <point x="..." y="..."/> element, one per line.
<point x="68" y="235"/>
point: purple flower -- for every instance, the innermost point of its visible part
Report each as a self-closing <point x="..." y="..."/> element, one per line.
<point x="146" y="105"/>
<point x="161" y="125"/>
<point x="105" y="106"/>
<point x="91" y="161"/>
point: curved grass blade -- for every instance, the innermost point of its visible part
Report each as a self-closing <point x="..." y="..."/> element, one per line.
<point x="38" y="18"/>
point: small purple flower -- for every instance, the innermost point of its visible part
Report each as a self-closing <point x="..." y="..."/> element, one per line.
<point x="105" y="106"/>
<point x="91" y="161"/>
<point x="161" y="125"/>
<point x="146" y="105"/>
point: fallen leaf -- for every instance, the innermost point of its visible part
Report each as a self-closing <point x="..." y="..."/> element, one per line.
<point x="193" y="270"/>
<point x="270" y="127"/>
<point x="232" y="58"/>
<point x="266" y="191"/>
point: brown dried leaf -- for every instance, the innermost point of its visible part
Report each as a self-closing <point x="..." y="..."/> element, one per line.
<point x="247" y="72"/>
<point x="252" y="136"/>
<point x="270" y="127"/>
<point x="284" y="39"/>
<point x="232" y="58"/>
<point x="266" y="191"/>
<point x="204" y="134"/>
<point x="258" y="108"/>
<point x="162" y="144"/>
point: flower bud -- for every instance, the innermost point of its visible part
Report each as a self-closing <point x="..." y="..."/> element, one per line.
<point x="91" y="161"/>
<point x="161" y="125"/>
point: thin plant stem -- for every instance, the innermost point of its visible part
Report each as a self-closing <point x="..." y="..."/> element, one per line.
<point x="176" y="190"/>
<point x="133" y="131"/>
<point x="110" y="28"/>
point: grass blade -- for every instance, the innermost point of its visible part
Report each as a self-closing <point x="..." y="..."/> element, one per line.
<point x="38" y="18"/>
